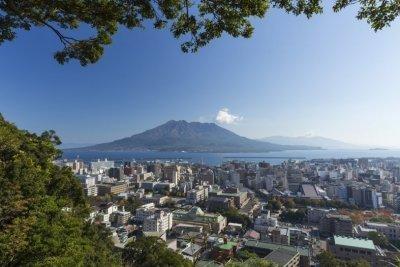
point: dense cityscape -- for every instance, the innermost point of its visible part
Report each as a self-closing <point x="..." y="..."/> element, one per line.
<point x="298" y="213"/>
<point x="209" y="133"/>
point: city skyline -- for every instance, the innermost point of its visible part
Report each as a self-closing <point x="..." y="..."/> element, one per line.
<point x="329" y="76"/>
<point x="142" y="133"/>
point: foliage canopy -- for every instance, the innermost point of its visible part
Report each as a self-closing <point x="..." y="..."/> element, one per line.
<point x="379" y="239"/>
<point x="43" y="209"/>
<point x="196" y="23"/>
<point x="327" y="259"/>
<point x="152" y="252"/>
<point x="290" y="216"/>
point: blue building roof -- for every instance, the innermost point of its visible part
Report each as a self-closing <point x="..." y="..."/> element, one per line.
<point x="354" y="242"/>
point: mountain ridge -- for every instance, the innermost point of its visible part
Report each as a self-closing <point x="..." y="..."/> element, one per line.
<point x="192" y="137"/>
<point x="319" y="141"/>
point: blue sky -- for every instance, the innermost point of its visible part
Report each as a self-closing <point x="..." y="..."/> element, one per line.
<point x="330" y="76"/>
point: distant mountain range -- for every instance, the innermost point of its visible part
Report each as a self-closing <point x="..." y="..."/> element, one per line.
<point x="74" y="145"/>
<point x="318" y="141"/>
<point x="191" y="137"/>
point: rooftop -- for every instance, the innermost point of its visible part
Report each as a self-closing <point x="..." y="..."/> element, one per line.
<point x="225" y="194"/>
<point x="191" y="250"/>
<point x="235" y="224"/>
<point x="153" y="233"/>
<point x="309" y="191"/>
<point x="377" y="224"/>
<point x="284" y="231"/>
<point x="252" y="234"/>
<point x="271" y="246"/>
<point x="196" y="215"/>
<point x="339" y="217"/>
<point x="360" y="228"/>
<point x="354" y="242"/>
<point x="281" y="256"/>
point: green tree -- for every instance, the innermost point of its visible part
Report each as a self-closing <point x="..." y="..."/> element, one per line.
<point x="244" y="254"/>
<point x="382" y="219"/>
<point x="378" y="239"/>
<point x="327" y="259"/>
<point x="293" y="216"/>
<point x="132" y="203"/>
<point x="397" y="261"/>
<point x="357" y="263"/>
<point x="290" y="204"/>
<point x="234" y="216"/>
<point x="274" y="204"/>
<point x="152" y="252"/>
<point x="195" y="22"/>
<point x="170" y="203"/>
<point x="43" y="209"/>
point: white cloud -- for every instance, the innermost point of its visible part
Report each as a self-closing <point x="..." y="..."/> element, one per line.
<point x="202" y="119"/>
<point x="224" y="117"/>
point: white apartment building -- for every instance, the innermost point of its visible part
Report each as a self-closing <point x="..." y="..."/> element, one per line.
<point x="263" y="222"/>
<point x="396" y="202"/>
<point x="200" y="193"/>
<point x="391" y="231"/>
<point x="100" y="166"/>
<point x="87" y="180"/>
<point x="145" y="211"/>
<point x="161" y="221"/>
<point x="235" y="178"/>
<point x="91" y="191"/>
<point x="109" y="208"/>
<point x="314" y="215"/>
<point x="104" y="217"/>
<point x="121" y="217"/>
<point x="106" y="211"/>
<point x="269" y="182"/>
<point x="89" y="184"/>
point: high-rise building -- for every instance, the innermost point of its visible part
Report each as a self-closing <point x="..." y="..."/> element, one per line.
<point x="332" y="224"/>
<point x="77" y="166"/>
<point x="207" y="175"/>
<point x="111" y="188"/>
<point x="294" y="179"/>
<point x="117" y="173"/>
<point x="172" y="173"/>
<point x="235" y="178"/>
<point x="160" y="221"/>
<point x="397" y="202"/>
<point x="144" y="211"/>
<point x="391" y="231"/>
<point x="365" y="197"/>
<point x="196" y="195"/>
<point x="100" y="166"/>
<point x="120" y="217"/>
<point x="314" y="215"/>
<point x="212" y="222"/>
<point x="263" y="222"/>
<point x="155" y="168"/>
<point x="89" y="184"/>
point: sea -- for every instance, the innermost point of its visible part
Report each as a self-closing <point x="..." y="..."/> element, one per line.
<point x="216" y="159"/>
